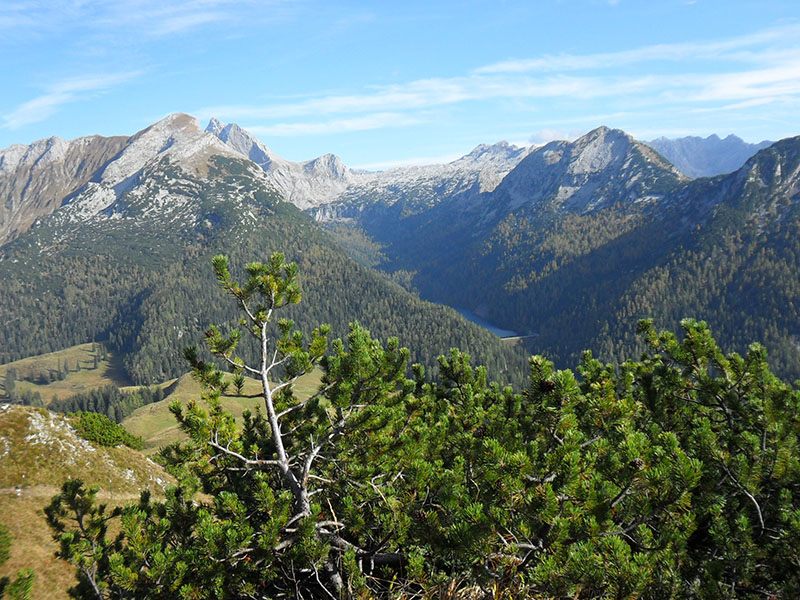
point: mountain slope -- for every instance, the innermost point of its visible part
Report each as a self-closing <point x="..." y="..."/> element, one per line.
<point x="35" y="179"/>
<point x="582" y="239"/>
<point x="39" y="450"/>
<point x="127" y="260"/>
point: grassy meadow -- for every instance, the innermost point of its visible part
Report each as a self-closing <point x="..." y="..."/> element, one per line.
<point x="81" y="374"/>
<point x="156" y="425"/>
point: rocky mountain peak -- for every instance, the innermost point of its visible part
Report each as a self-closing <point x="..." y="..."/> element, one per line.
<point x="246" y="144"/>
<point x="502" y="154"/>
<point x="599" y="149"/>
<point x="178" y="138"/>
<point x="603" y="167"/>
<point x="327" y="165"/>
<point x="215" y="126"/>
<point x="705" y="157"/>
<point x="303" y="184"/>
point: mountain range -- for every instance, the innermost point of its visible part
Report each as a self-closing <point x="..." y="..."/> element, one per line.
<point x="568" y="243"/>
<point x="705" y="157"/>
<point x="582" y="239"/>
<point x="125" y="256"/>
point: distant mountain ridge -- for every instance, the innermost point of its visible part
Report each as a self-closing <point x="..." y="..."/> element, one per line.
<point x="330" y="190"/>
<point x="603" y="167"/>
<point x="36" y="179"/>
<point x="580" y="239"/>
<point x="705" y="157"/>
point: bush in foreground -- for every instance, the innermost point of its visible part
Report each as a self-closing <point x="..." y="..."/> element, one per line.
<point x="676" y="475"/>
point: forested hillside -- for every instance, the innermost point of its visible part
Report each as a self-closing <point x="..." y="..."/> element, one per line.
<point x="135" y="274"/>
<point x="581" y="240"/>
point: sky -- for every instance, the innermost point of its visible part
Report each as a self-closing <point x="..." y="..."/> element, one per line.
<point x="387" y="83"/>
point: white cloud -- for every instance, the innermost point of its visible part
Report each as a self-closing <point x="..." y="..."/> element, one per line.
<point x="59" y="93"/>
<point x="733" y="49"/>
<point x="362" y="123"/>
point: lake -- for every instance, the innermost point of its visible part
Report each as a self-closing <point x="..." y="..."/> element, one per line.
<point x="503" y="333"/>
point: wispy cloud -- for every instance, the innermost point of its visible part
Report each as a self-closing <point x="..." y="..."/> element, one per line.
<point x="62" y="92"/>
<point x="16" y="15"/>
<point x="149" y="18"/>
<point x="363" y="123"/>
<point x="430" y="93"/>
<point x="751" y="68"/>
<point x="731" y="49"/>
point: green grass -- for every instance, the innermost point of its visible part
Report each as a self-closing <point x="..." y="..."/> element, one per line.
<point x="108" y="372"/>
<point x="156" y="425"/>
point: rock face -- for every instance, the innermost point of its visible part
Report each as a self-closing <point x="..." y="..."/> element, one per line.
<point x="89" y="174"/>
<point x="306" y="185"/>
<point x="706" y="157"/>
<point x="35" y="179"/>
<point x="244" y="143"/>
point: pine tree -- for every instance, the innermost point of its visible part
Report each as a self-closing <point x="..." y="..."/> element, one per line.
<point x="675" y="475"/>
<point x="10" y="383"/>
<point x="238" y="383"/>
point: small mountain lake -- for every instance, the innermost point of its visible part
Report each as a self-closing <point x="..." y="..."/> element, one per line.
<point x="469" y="315"/>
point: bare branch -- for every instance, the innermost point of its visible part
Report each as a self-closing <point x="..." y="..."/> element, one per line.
<point x="247" y="368"/>
<point x="242" y="458"/>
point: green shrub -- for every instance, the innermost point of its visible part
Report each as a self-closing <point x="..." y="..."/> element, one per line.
<point x="101" y="430"/>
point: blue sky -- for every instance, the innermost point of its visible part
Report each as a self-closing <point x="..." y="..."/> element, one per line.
<point x="385" y="83"/>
